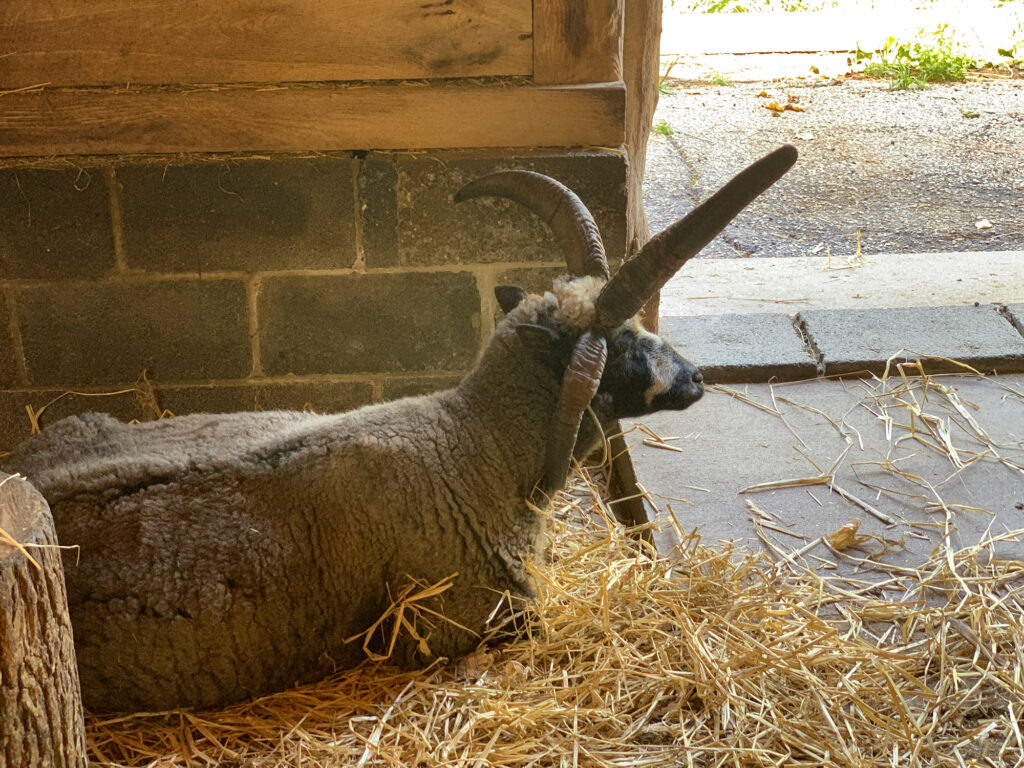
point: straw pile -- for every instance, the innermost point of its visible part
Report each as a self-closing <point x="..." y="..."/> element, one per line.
<point x="706" y="657"/>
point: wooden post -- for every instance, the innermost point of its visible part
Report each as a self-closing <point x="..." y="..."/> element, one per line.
<point x="640" y="56"/>
<point x="640" y="49"/>
<point x="41" y="721"/>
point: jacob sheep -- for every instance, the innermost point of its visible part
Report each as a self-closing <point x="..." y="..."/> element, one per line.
<point x="227" y="556"/>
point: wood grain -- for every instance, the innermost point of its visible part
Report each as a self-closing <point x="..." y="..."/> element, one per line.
<point x="118" y="42"/>
<point x="108" y="121"/>
<point x="41" y="720"/>
<point x="577" y="41"/>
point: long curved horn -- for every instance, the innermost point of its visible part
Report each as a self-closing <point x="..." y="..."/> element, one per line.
<point x="572" y="224"/>
<point x="642" y="276"/>
<point x="579" y="385"/>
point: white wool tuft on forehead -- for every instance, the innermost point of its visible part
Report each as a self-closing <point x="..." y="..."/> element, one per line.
<point x="576" y="297"/>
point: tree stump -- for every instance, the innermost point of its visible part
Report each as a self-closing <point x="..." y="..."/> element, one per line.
<point x="41" y="721"/>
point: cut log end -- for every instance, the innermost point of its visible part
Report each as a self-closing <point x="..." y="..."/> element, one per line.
<point x="41" y="721"/>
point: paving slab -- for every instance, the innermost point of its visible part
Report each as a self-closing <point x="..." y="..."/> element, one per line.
<point x="851" y="340"/>
<point x="710" y="286"/>
<point x="741" y="347"/>
<point x="1015" y="314"/>
<point x="725" y="444"/>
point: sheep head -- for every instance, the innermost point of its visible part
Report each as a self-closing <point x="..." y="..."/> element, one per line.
<point x="611" y="352"/>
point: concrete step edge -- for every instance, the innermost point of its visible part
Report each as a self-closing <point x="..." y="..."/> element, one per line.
<point x="761" y="347"/>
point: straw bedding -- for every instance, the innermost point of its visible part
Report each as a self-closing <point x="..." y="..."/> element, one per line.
<point x="704" y="657"/>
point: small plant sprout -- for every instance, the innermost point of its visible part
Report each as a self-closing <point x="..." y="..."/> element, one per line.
<point x="662" y="127"/>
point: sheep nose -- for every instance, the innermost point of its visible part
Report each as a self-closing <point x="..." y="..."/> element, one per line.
<point x="698" y="377"/>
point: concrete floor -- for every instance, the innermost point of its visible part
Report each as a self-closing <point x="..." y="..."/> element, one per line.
<point x="859" y="431"/>
<point x="899" y="199"/>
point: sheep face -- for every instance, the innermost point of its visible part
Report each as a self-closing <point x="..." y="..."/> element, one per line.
<point x="643" y="374"/>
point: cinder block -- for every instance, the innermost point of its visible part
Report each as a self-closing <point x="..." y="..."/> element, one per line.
<point x="433" y="229"/>
<point x="6" y="345"/>
<point x="397" y="388"/>
<point x="321" y="397"/>
<point x="369" y="323"/>
<point x="378" y="196"/>
<point x="54" y="405"/>
<point x="93" y="333"/>
<point x="731" y="348"/>
<point x="251" y="215"/>
<point x="852" y="340"/>
<point x="532" y="279"/>
<point x="55" y="224"/>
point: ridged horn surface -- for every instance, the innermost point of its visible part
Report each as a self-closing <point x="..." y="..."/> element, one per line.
<point x="571" y="223"/>
<point x="642" y="276"/>
<point x="579" y="385"/>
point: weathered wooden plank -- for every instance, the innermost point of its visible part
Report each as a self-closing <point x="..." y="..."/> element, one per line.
<point x="640" y="49"/>
<point x="109" y="121"/>
<point x="577" y="41"/>
<point x="118" y="42"/>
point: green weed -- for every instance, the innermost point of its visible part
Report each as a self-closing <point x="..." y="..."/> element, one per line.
<point x="718" y="78"/>
<point x="752" y="6"/>
<point x="911" y="65"/>
<point x="663" y="128"/>
<point x="1013" y="52"/>
<point x="663" y="86"/>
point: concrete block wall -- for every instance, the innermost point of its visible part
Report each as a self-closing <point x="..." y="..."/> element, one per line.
<point x="325" y="281"/>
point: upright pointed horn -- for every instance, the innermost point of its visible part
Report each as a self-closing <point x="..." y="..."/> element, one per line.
<point x="572" y="224"/>
<point x="644" y="275"/>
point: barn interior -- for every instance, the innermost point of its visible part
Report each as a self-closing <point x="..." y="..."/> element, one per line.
<point x="249" y="207"/>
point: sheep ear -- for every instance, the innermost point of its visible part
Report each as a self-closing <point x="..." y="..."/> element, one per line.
<point x="546" y="346"/>
<point x="540" y="341"/>
<point x="509" y="297"/>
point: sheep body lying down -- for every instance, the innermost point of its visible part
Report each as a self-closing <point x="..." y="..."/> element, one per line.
<point x="223" y="556"/>
<point x="227" y="556"/>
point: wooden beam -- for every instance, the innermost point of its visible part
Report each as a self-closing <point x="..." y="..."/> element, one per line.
<point x="577" y="41"/>
<point x="119" y="42"/>
<point x="107" y="121"/>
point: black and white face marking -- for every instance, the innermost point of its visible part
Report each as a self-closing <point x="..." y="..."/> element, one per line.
<point x="644" y="374"/>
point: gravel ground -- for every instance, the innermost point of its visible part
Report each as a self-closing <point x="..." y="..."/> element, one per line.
<point x="912" y="171"/>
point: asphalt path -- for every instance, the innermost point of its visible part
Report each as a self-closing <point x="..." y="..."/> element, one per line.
<point x="941" y="169"/>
